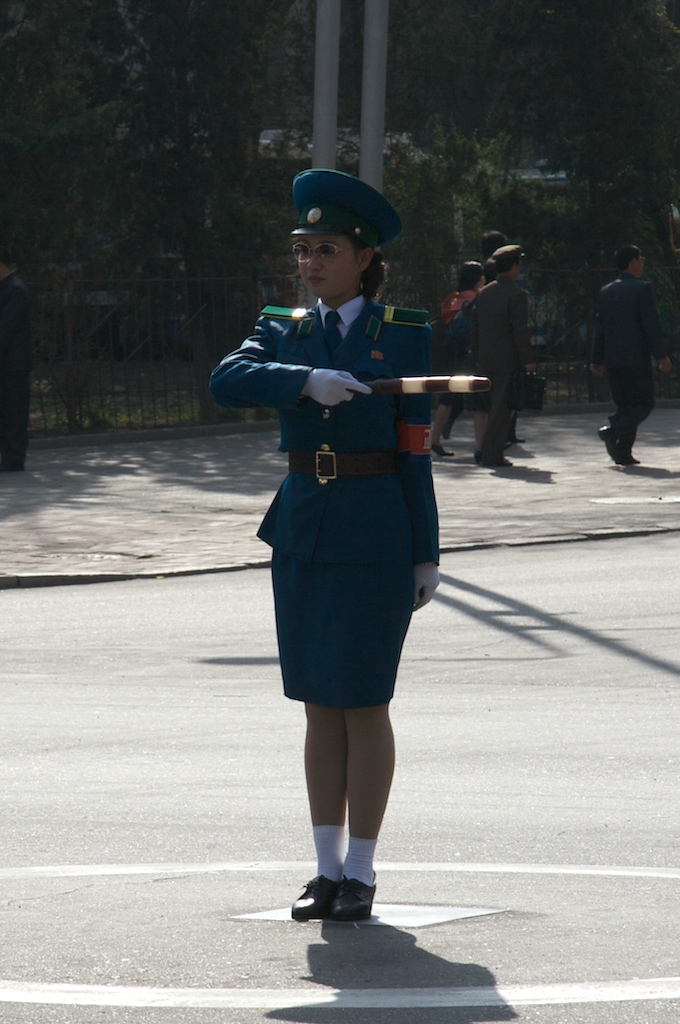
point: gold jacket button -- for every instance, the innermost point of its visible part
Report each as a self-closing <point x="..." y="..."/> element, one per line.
<point x="326" y="414"/>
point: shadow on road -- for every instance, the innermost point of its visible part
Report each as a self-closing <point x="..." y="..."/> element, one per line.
<point x="539" y="622"/>
<point x="352" y="958"/>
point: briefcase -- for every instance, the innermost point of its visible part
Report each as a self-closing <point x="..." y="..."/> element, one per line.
<point x="527" y="392"/>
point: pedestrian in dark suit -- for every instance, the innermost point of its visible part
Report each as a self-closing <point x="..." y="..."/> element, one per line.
<point x="491" y="241"/>
<point x="354" y="524"/>
<point x="502" y="342"/>
<point x="627" y="335"/>
<point x="16" y="355"/>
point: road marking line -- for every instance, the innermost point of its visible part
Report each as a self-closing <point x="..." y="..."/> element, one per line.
<point x="92" y="870"/>
<point x="635" y="990"/>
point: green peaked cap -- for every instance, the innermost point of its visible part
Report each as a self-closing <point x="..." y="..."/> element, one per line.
<point x="332" y="202"/>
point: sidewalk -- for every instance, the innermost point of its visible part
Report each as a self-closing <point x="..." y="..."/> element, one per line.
<point x="174" y="505"/>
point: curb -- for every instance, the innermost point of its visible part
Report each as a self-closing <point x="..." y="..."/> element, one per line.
<point x="151" y="434"/>
<point x="71" y="579"/>
<point x="256" y="426"/>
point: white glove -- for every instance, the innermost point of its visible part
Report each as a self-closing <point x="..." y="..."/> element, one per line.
<point x="426" y="579"/>
<point x="330" y="387"/>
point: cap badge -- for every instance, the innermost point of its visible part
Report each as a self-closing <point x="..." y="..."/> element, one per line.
<point x="314" y="215"/>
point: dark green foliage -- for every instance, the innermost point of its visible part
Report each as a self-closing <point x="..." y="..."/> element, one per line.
<point x="129" y="131"/>
<point x="591" y="89"/>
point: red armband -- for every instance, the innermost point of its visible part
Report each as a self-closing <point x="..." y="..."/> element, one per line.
<point x="415" y="438"/>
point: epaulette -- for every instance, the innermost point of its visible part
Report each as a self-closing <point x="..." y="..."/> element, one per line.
<point x="284" y="312"/>
<point x="410" y="317"/>
<point x="304" y="317"/>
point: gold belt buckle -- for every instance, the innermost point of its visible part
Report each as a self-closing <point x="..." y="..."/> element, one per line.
<point x="321" y="476"/>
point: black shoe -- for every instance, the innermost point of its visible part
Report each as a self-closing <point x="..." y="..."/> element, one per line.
<point x="514" y="440"/>
<point x="440" y="451"/>
<point x="496" y="465"/>
<point x="316" y="901"/>
<point x="353" y="902"/>
<point x="478" y="457"/>
<point x="606" y="434"/>
<point x="626" y="459"/>
<point x="11" y="467"/>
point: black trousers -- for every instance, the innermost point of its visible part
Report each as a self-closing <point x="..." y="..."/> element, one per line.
<point x="632" y="389"/>
<point x="500" y="418"/>
<point x="14" y="409"/>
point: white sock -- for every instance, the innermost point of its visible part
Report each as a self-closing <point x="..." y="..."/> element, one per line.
<point x="359" y="859"/>
<point x="329" y="842"/>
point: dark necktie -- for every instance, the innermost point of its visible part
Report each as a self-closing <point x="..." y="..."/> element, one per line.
<point x="331" y="334"/>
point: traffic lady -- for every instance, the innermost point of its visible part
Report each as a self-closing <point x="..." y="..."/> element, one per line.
<point x="354" y="525"/>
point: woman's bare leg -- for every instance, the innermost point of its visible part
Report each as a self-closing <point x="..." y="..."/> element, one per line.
<point x="479" y="420"/>
<point x="370" y="768"/>
<point x="349" y="759"/>
<point x="326" y="764"/>
<point x="441" y="415"/>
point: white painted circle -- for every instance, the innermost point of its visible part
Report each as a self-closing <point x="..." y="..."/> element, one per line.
<point x="633" y="990"/>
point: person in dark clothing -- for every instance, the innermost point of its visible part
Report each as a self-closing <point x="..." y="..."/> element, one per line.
<point x="470" y="282"/>
<point x="502" y="343"/>
<point x="627" y="335"/>
<point x="491" y="241"/>
<point x="16" y="354"/>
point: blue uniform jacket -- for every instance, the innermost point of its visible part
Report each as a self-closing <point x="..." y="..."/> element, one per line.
<point x="627" y="330"/>
<point x="352" y="519"/>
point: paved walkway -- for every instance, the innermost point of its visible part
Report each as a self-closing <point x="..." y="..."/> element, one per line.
<point x="193" y="504"/>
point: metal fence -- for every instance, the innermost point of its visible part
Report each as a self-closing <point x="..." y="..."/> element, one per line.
<point x="131" y="354"/>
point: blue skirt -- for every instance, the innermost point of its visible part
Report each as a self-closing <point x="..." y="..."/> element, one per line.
<point x="341" y="629"/>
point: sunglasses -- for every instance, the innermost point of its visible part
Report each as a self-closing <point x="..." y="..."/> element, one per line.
<point x="322" y="251"/>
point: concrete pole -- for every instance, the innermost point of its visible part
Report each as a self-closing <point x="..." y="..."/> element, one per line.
<point x="373" y="88"/>
<point x="326" y="63"/>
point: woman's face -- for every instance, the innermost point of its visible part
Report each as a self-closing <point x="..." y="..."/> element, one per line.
<point x="333" y="279"/>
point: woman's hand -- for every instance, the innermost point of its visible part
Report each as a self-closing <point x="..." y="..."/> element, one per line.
<point x="426" y="580"/>
<point x="330" y="387"/>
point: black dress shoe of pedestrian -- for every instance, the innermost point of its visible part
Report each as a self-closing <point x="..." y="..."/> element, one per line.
<point x="606" y="434"/>
<point x="496" y="465"/>
<point x="11" y="467"/>
<point x="439" y="450"/>
<point x="353" y="902"/>
<point x="316" y="901"/>
<point x="626" y="459"/>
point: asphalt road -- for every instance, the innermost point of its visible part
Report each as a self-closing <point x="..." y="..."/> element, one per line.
<point x="152" y="793"/>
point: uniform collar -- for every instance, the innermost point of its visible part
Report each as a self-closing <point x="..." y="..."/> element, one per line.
<point x="348" y="312"/>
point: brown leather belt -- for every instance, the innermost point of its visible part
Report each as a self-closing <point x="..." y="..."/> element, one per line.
<point x="327" y="465"/>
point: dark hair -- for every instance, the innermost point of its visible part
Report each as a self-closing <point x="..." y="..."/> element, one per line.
<point x="375" y="274"/>
<point x="469" y="274"/>
<point x="624" y="255"/>
<point x="490" y="271"/>
<point x="492" y="240"/>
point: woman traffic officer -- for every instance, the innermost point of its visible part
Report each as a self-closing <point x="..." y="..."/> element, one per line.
<point x="354" y="525"/>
